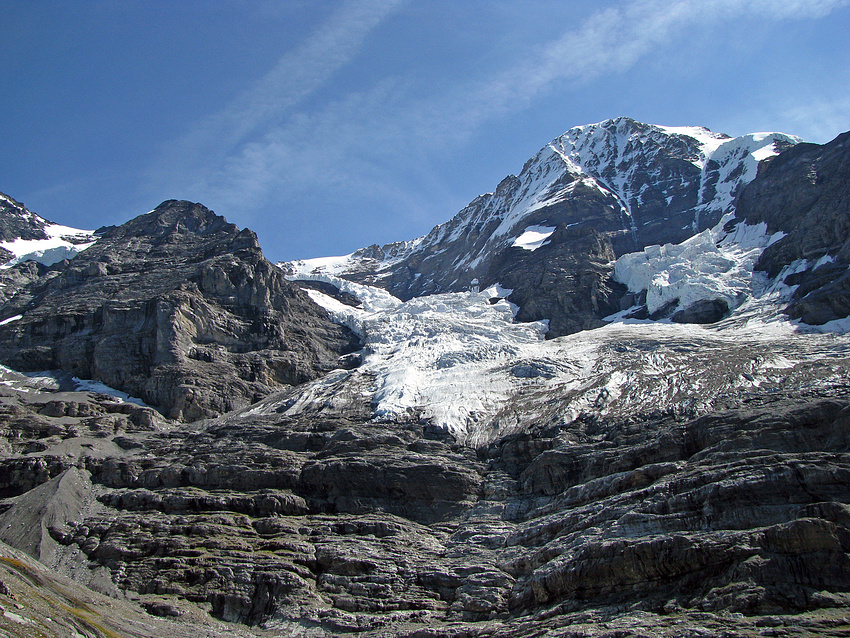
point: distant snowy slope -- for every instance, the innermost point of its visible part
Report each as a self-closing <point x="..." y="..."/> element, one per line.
<point x="26" y="236"/>
<point x="621" y="176"/>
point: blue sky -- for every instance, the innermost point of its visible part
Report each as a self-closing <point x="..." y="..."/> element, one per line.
<point x="328" y="126"/>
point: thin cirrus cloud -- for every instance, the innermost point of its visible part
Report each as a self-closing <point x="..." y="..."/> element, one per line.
<point x="615" y="39"/>
<point x="353" y="142"/>
<point x="296" y="76"/>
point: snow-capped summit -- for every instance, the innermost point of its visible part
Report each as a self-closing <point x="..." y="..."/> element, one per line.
<point x="593" y="194"/>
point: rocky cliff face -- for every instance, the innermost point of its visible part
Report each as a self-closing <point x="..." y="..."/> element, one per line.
<point x="805" y="193"/>
<point x="657" y="523"/>
<point x="177" y="307"/>
<point x="18" y="222"/>
<point x="458" y="475"/>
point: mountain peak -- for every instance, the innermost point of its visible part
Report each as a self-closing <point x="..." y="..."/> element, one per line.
<point x="175" y="217"/>
<point x="637" y="184"/>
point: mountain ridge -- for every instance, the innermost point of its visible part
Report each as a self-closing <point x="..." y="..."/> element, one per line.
<point x="167" y="305"/>
<point x="434" y="466"/>
<point x="634" y="184"/>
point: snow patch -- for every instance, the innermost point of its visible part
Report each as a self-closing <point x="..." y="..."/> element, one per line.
<point x="709" y="141"/>
<point x="497" y="290"/>
<point x="319" y="265"/>
<point x="58" y="381"/>
<point x="372" y="299"/>
<point x="823" y="261"/>
<point x="534" y="237"/>
<point x="89" y="385"/>
<point x="56" y="247"/>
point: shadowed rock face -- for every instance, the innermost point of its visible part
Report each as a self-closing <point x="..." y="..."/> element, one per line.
<point x="566" y="281"/>
<point x="805" y="192"/>
<point x="177" y="307"/>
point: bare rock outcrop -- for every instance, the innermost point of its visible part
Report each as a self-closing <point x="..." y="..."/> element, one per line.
<point x="731" y="520"/>
<point x="805" y="193"/>
<point x="177" y="307"/>
<point x="567" y="281"/>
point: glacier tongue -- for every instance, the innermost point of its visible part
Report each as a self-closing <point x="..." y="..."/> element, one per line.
<point x="436" y="358"/>
<point x="459" y="363"/>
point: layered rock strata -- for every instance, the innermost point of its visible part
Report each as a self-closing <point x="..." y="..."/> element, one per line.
<point x="338" y="524"/>
<point x="177" y="307"/>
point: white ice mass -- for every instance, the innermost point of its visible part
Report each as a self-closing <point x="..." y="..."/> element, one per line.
<point x="462" y="364"/>
<point x="710" y="265"/>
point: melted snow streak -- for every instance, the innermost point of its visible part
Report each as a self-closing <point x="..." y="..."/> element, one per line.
<point x="461" y="364"/>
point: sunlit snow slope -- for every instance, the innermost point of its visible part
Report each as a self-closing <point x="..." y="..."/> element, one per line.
<point x="27" y="236"/>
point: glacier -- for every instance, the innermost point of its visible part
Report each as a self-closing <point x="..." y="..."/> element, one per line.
<point x="460" y="363"/>
<point x="713" y="264"/>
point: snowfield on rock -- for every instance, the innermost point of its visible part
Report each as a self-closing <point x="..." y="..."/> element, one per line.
<point x="611" y="158"/>
<point x="460" y="363"/>
<point x="56" y="247"/>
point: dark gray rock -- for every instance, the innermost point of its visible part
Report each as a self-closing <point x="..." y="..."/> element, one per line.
<point x="18" y="222"/>
<point x="658" y="521"/>
<point x="177" y="307"/>
<point x="805" y="193"/>
<point x="702" y="311"/>
<point x="18" y="276"/>
<point x="567" y="281"/>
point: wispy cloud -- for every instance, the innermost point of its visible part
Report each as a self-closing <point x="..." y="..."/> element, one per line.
<point x="615" y="39"/>
<point x="817" y="118"/>
<point x="297" y="75"/>
<point x="264" y="148"/>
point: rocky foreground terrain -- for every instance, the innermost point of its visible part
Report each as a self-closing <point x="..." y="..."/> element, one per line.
<point x="335" y="461"/>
